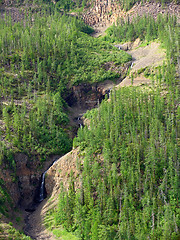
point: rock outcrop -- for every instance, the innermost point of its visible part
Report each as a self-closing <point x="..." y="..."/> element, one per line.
<point x="60" y="172"/>
<point x="22" y="183"/>
<point x="88" y="96"/>
<point x="10" y="183"/>
<point x="29" y="175"/>
<point x="85" y="96"/>
<point x="105" y="12"/>
<point x="153" y="9"/>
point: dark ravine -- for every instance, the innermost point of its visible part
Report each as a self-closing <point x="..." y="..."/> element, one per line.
<point x="24" y="186"/>
<point x="31" y="185"/>
<point x="80" y="100"/>
<point x="29" y="172"/>
<point x="83" y="97"/>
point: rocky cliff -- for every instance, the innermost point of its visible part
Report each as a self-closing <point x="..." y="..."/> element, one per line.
<point x="60" y="171"/>
<point x="106" y="12"/>
<point x="22" y="183"/>
<point x="103" y="13"/>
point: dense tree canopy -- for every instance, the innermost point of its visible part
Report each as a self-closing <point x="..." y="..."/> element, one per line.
<point x="39" y="62"/>
<point x="41" y="58"/>
<point x="128" y="161"/>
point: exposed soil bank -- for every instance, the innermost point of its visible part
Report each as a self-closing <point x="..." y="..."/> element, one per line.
<point x="143" y="57"/>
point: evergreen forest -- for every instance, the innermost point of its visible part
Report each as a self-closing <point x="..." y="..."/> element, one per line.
<point x="40" y="62"/>
<point x="128" y="153"/>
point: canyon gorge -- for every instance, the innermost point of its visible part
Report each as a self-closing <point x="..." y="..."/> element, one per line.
<point x="34" y="184"/>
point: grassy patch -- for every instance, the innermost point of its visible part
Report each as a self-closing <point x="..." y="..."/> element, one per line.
<point x="7" y="231"/>
<point x="144" y="44"/>
<point x="61" y="232"/>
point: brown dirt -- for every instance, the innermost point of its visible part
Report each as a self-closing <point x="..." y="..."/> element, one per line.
<point x="34" y="224"/>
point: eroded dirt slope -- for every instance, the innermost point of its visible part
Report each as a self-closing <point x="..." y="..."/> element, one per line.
<point x="143" y="57"/>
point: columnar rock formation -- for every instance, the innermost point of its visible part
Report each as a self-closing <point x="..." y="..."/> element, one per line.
<point x="104" y="12"/>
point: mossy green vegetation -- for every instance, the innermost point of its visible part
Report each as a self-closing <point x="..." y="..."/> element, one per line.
<point x="64" y="234"/>
<point x="5" y="199"/>
<point x="67" y="5"/>
<point x="53" y="50"/>
<point x="40" y="60"/>
<point x="164" y="28"/>
<point x="58" y="230"/>
<point x="7" y="231"/>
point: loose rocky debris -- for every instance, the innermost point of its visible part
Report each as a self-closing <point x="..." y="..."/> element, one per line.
<point x="150" y="55"/>
<point x="34" y="225"/>
<point x="153" y="9"/>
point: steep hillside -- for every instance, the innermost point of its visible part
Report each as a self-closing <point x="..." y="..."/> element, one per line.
<point x="43" y="70"/>
<point x="120" y="181"/>
<point x="125" y="183"/>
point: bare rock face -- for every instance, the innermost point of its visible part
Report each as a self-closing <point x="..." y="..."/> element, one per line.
<point x="10" y="184"/>
<point x="153" y="9"/>
<point x="28" y="179"/>
<point x="88" y="96"/>
<point x="22" y="183"/>
<point x="60" y="172"/>
<point x="106" y="12"/>
<point x="84" y="96"/>
<point x="29" y="174"/>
